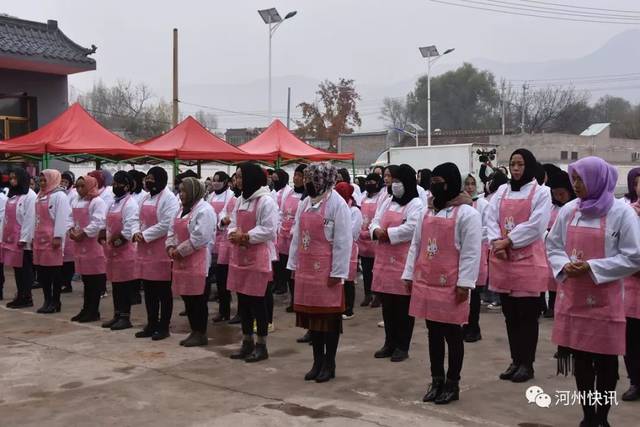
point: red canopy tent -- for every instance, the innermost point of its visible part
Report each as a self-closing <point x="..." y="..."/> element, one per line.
<point x="279" y="142"/>
<point x="189" y="140"/>
<point x="73" y="132"/>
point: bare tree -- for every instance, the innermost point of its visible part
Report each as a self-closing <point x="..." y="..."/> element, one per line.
<point x="206" y="119"/>
<point x="395" y="113"/>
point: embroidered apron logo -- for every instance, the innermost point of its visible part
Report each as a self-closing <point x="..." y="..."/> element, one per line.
<point x="306" y="240"/>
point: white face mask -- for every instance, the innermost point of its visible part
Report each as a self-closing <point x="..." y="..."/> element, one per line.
<point x="397" y="188"/>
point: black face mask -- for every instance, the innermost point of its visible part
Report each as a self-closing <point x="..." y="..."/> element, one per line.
<point x="438" y="190"/>
<point x="311" y="190"/>
<point x="371" y="188"/>
<point x="299" y="189"/>
<point x="119" y="191"/>
<point x="389" y="190"/>
<point x="237" y="192"/>
<point x="150" y="187"/>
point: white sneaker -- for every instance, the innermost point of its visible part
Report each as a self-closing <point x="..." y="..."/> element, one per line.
<point x="347" y="317"/>
<point x="381" y="324"/>
<point x="494" y="306"/>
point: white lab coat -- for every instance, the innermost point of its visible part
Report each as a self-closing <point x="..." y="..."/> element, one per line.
<point x="481" y="206"/>
<point x="424" y="195"/>
<point x="107" y="195"/>
<point x="59" y="211"/>
<point x="526" y="233"/>
<point x="622" y="240"/>
<point x="468" y="239"/>
<point x="338" y="230"/>
<point x="97" y="214"/>
<point x="202" y="231"/>
<point x="403" y="232"/>
<point x="130" y="215"/>
<point x="356" y="222"/>
<point x="167" y="209"/>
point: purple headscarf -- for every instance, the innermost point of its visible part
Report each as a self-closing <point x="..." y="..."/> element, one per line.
<point x="600" y="178"/>
<point x="631" y="184"/>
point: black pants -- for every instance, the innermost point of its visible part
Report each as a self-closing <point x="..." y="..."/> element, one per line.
<point x="552" y="300"/>
<point x="224" y="296"/>
<point x="632" y="358"/>
<point x="325" y="346"/>
<point x="253" y="308"/>
<point x="122" y="296"/>
<point x="596" y="372"/>
<point x="268" y="301"/>
<point x="281" y="275"/>
<point x="452" y="334"/>
<point x="24" y="275"/>
<point x="48" y="279"/>
<point x="367" y="273"/>
<point x="1" y="278"/>
<point x="159" y="303"/>
<point x="474" y="312"/>
<point x="197" y="312"/>
<point x="521" y="317"/>
<point x="350" y="296"/>
<point x="398" y="325"/>
<point x="66" y="274"/>
<point x="93" y="286"/>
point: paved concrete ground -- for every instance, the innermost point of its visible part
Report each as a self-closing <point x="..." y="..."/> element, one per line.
<point x="57" y="373"/>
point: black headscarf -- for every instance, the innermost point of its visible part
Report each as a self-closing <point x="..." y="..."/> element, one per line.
<point x="550" y="169"/>
<point x="451" y="175"/>
<point x="137" y="177"/>
<point x="530" y="169"/>
<point x="283" y="179"/>
<point x="253" y="178"/>
<point x="344" y="174"/>
<point x="224" y="178"/>
<point x="407" y="175"/>
<point x="23" y="179"/>
<point x="379" y="183"/>
<point x="497" y="179"/>
<point x="122" y="177"/>
<point x="540" y="173"/>
<point x="161" y="178"/>
<point x="425" y="178"/>
<point x="300" y="190"/>
<point x="561" y="180"/>
<point x="393" y="169"/>
<point x="70" y="177"/>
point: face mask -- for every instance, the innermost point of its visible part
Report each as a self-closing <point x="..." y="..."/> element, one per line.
<point x="217" y="186"/>
<point x="277" y="185"/>
<point x="119" y="191"/>
<point x="371" y="188"/>
<point x="397" y="189"/>
<point x="438" y="190"/>
<point x="299" y="190"/>
<point x="311" y="189"/>
<point x="237" y="192"/>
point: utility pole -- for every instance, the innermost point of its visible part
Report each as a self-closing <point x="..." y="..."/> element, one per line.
<point x="174" y="117"/>
<point x="524" y="94"/>
<point x="502" y="101"/>
<point x="288" y="107"/>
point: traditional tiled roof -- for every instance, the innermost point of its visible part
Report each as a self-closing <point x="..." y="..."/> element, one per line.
<point x="38" y="41"/>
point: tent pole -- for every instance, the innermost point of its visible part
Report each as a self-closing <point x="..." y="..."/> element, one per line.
<point x="176" y="169"/>
<point x="199" y="169"/>
<point x="353" y="167"/>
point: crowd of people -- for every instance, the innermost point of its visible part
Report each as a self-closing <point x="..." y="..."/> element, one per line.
<point x="532" y="240"/>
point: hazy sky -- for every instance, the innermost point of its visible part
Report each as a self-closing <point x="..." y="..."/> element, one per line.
<point x="372" y="41"/>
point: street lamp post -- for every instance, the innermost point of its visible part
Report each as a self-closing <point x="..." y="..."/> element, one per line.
<point x="272" y="18"/>
<point x="432" y="55"/>
<point x="416" y="129"/>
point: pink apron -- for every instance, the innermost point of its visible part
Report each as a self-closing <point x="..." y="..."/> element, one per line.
<point x="120" y="257"/>
<point x="88" y="253"/>
<point x="484" y="260"/>
<point x="315" y="254"/>
<point x="288" y="218"/>
<point x="250" y="267"/>
<point x="631" y="296"/>
<point x="225" y="245"/>
<point x="589" y="317"/>
<point x="525" y="273"/>
<point x="353" y="263"/>
<point x="217" y="206"/>
<point x="189" y="273"/>
<point x="390" y="259"/>
<point x="433" y="294"/>
<point x="552" y="285"/>
<point x="11" y="252"/>
<point x="367" y="246"/>
<point x="153" y="261"/>
<point x="43" y="252"/>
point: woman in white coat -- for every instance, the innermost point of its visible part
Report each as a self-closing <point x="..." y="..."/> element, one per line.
<point x="188" y="240"/>
<point x="592" y="246"/>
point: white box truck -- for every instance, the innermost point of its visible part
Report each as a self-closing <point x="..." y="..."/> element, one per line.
<point x="465" y="156"/>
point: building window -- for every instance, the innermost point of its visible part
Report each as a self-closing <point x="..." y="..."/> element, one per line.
<point x="17" y="116"/>
<point x="564" y="155"/>
<point x="574" y="155"/>
<point x="635" y="156"/>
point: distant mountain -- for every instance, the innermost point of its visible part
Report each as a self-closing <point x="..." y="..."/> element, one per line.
<point x="618" y="56"/>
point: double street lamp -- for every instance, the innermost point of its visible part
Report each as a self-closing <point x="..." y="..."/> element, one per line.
<point x="432" y="55"/>
<point x="272" y="18"/>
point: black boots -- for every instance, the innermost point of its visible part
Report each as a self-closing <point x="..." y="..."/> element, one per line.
<point x="160" y="334"/>
<point x="259" y="353"/>
<point x="434" y="390"/>
<point x="366" y="301"/>
<point x="111" y="322"/>
<point x="122" y="322"/>
<point x="450" y="392"/>
<point x="49" y="307"/>
<point x="317" y="341"/>
<point x="471" y="335"/>
<point x="523" y="374"/>
<point x="506" y="375"/>
<point x="21" y="301"/>
<point x="327" y="372"/>
<point x="245" y="351"/>
<point x="384" y="352"/>
<point x="632" y="394"/>
<point x="146" y="332"/>
<point x="195" y="339"/>
<point x="399" y="355"/>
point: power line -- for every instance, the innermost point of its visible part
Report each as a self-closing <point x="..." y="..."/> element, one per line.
<point x="582" y="7"/>
<point x="577" y="78"/>
<point x="507" y="12"/>
<point x="548" y="10"/>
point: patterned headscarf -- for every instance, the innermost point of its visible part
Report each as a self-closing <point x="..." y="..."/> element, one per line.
<point x="91" y="186"/>
<point x="195" y="191"/>
<point x="53" y="178"/>
<point x="322" y="175"/>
